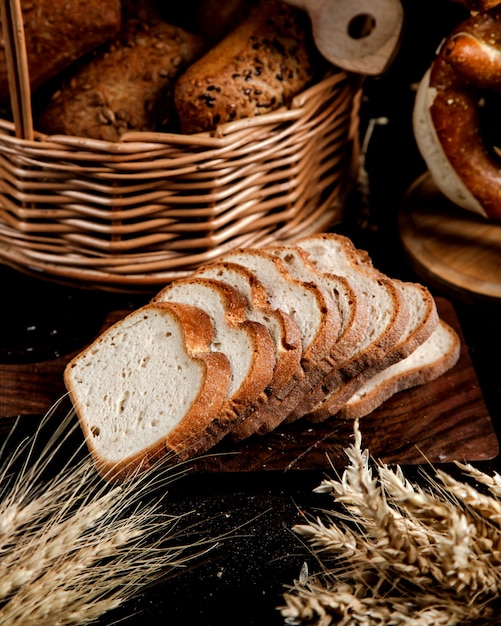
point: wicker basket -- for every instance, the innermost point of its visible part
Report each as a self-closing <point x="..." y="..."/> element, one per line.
<point x="135" y="214"/>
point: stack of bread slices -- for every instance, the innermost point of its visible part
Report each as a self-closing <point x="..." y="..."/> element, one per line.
<point x="258" y="339"/>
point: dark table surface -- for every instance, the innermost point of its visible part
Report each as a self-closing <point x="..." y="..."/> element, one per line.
<point x="243" y="580"/>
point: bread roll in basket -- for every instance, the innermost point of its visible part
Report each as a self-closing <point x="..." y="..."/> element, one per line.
<point x="133" y="214"/>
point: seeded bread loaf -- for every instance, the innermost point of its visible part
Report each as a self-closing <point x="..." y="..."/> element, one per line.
<point x="57" y="33"/>
<point x="127" y="86"/>
<point x="149" y="386"/>
<point x="257" y="68"/>
<point x="247" y="344"/>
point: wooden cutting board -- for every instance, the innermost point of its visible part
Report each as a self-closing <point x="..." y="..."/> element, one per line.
<point x="455" y="250"/>
<point x="442" y="421"/>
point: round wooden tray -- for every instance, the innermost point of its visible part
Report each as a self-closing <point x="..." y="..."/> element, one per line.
<point x="453" y="249"/>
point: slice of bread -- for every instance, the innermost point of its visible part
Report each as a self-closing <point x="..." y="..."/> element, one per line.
<point x="422" y="321"/>
<point x="283" y="329"/>
<point x="350" y="301"/>
<point x="317" y="317"/>
<point x="435" y="356"/>
<point x="247" y="344"/>
<point x="387" y="310"/>
<point x="148" y="386"/>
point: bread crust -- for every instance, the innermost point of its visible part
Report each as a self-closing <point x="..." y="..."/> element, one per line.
<point x="314" y="354"/>
<point x="288" y="344"/>
<point x="57" y="33"/>
<point x="406" y="378"/>
<point x="353" y="320"/>
<point x="252" y="390"/>
<point x="417" y="332"/>
<point x="375" y="352"/>
<point x="257" y="68"/>
<point x="196" y="431"/>
<point x="124" y="87"/>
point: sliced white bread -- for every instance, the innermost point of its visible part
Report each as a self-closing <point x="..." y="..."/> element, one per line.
<point x="350" y="301"/>
<point x="435" y="356"/>
<point x="388" y="316"/>
<point x="317" y="317"/>
<point x="422" y="321"/>
<point x="247" y="344"/>
<point x="283" y="329"/>
<point x="148" y="386"/>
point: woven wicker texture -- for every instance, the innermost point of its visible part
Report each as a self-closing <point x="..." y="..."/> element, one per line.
<point x="140" y="212"/>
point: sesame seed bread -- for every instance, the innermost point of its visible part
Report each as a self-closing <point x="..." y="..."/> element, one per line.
<point x="57" y="33"/>
<point x="435" y="356"/>
<point x="317" y="317"/>
<point x="125" y="86"/>
<point x="247" y="344"/>
<point x="148" y="386"/>
<point x="257" y="68"/>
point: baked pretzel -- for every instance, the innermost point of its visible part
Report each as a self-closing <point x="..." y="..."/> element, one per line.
<point x="447" y="115"/>
<point x="480" y="5"/>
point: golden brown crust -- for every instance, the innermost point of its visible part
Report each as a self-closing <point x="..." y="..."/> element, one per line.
<point x="316" y="402"/>
<point x="404" y="380"/>
<point x="125" y="87"/>
<point x="57" y="32"/>
<point x="314" y="357"/>
<point x="353" y="324"/>
<point x="468" y="64"/>
<point x="375" y="356"/>
<point x="252" y="391"/>
<point x="422" y="328"/>
<point x="199" y="429"/>
<point x="255" y="69"/>
<point x="288" y="353"/>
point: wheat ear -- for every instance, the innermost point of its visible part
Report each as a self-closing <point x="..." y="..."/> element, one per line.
<point x="394" y="553"/>
<point x="73" y="546"/>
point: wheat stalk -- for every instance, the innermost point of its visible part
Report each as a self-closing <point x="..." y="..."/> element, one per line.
<point x="73" y="546"/>
<point x="394" y="553"/>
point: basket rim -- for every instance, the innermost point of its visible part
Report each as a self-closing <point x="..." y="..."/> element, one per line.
<point x="222" y="136"/>
<point x="144" y="159"/>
